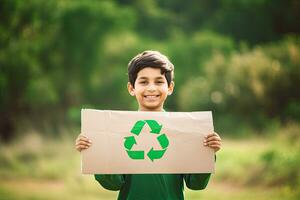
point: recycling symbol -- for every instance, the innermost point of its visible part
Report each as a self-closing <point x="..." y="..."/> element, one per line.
<point x="152" y="153"/>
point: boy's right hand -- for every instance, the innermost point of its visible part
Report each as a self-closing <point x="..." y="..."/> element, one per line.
<point x="82" y="143"/>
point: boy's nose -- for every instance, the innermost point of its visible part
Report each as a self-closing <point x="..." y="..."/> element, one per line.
<point x="151" y="88"/>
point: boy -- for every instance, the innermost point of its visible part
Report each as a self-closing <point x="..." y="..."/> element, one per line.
<point x="151" y="81"/>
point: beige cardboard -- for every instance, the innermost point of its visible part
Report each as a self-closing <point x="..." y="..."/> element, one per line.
<point x="184" y="130"/>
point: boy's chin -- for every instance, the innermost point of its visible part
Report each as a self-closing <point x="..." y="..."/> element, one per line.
<point x="151" y="108"/>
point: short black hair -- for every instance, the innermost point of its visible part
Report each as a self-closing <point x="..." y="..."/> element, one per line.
<point x="153" y="59"/>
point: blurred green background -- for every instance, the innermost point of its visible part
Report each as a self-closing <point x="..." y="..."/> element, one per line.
<point x="238" y="58"/>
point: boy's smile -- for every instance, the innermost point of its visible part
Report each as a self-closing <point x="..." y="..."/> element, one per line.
<point x="150" y="89"/>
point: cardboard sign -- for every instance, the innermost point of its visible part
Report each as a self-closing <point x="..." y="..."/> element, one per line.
<point x="136" y="142"/>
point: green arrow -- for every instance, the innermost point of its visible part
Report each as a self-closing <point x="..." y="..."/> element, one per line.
<point x="163" y="141"/>
<point x="138" y="126"/>
<point x="155" y="154"/>
<point x="155" y="127"/>
<point x="136" y="154"/>
<point x="129" y="142"/>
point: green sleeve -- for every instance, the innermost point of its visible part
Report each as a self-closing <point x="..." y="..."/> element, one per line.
<point x="110" y="181"/>
<point x="196" y="181"/>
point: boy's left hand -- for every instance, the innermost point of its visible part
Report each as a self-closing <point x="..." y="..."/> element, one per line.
<point x="213" y="141"/>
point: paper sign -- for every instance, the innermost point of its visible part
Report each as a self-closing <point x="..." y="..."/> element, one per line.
<point x="136" y="142"/>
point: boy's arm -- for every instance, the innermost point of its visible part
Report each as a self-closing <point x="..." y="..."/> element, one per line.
<point x="111" y="181"/>
<point x="196" y="181"/>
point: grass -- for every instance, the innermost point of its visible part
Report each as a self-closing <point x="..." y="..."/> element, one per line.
<point x="39" y="168"/>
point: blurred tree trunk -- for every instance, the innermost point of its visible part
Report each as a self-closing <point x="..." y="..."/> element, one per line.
<point x="7" y="128"/>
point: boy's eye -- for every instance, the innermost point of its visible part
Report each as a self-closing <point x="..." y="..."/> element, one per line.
<point x="142" y="82"/>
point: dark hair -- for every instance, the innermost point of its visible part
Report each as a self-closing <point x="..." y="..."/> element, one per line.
<point x="153" y="59"/>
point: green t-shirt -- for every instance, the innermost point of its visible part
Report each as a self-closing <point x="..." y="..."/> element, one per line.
<point x="152" y="186"/>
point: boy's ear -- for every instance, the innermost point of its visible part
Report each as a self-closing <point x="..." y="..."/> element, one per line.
<point x="130" y="89"/>
<point x="171" y="87"/>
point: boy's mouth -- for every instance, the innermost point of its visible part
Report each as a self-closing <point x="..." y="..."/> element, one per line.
<point x="151" y="97"/>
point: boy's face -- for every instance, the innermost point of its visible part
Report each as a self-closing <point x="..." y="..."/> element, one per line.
<point x="151" y="89"/>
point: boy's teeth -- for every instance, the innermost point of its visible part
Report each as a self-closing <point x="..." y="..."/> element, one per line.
<point x="151" y="96"/>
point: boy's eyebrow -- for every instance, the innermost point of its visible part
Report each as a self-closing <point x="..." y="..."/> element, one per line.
<point x="144" y="77"/>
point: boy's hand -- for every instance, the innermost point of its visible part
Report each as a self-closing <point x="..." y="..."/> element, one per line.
<point x="213" y="141"/>
<point x="82" y="143"/>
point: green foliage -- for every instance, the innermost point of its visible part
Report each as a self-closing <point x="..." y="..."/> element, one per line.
<point x="270" y="161"/>
<point x="253" y="85"/>
<point x="275" y="162"/>
<point x="56" y="56"/>
<point x="34" y="158"/>
<point x="50" y="51"/>
<point x="280" y="165"/>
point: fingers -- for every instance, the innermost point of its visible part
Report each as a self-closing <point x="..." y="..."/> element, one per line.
<point x="81" y="147"/>
<point x="212" y="137"/>
<point x="82" y="137"/>
<point x="82" y="143"/>
<point x="213" y="141"/>
<point x="215" y="145"/>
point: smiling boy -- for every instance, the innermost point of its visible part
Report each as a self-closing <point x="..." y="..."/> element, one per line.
<point x="151" y="81"/>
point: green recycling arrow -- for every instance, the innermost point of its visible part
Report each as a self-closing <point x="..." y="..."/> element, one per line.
<point x="155" y="127"/>
<point x="137" y="128"/>
<point x="129" y="142"/>
<point x="136" y="154"/>
<point x="155" y="154"/>
<point x="163" y="141"/>
<point x="152" y="154"/>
